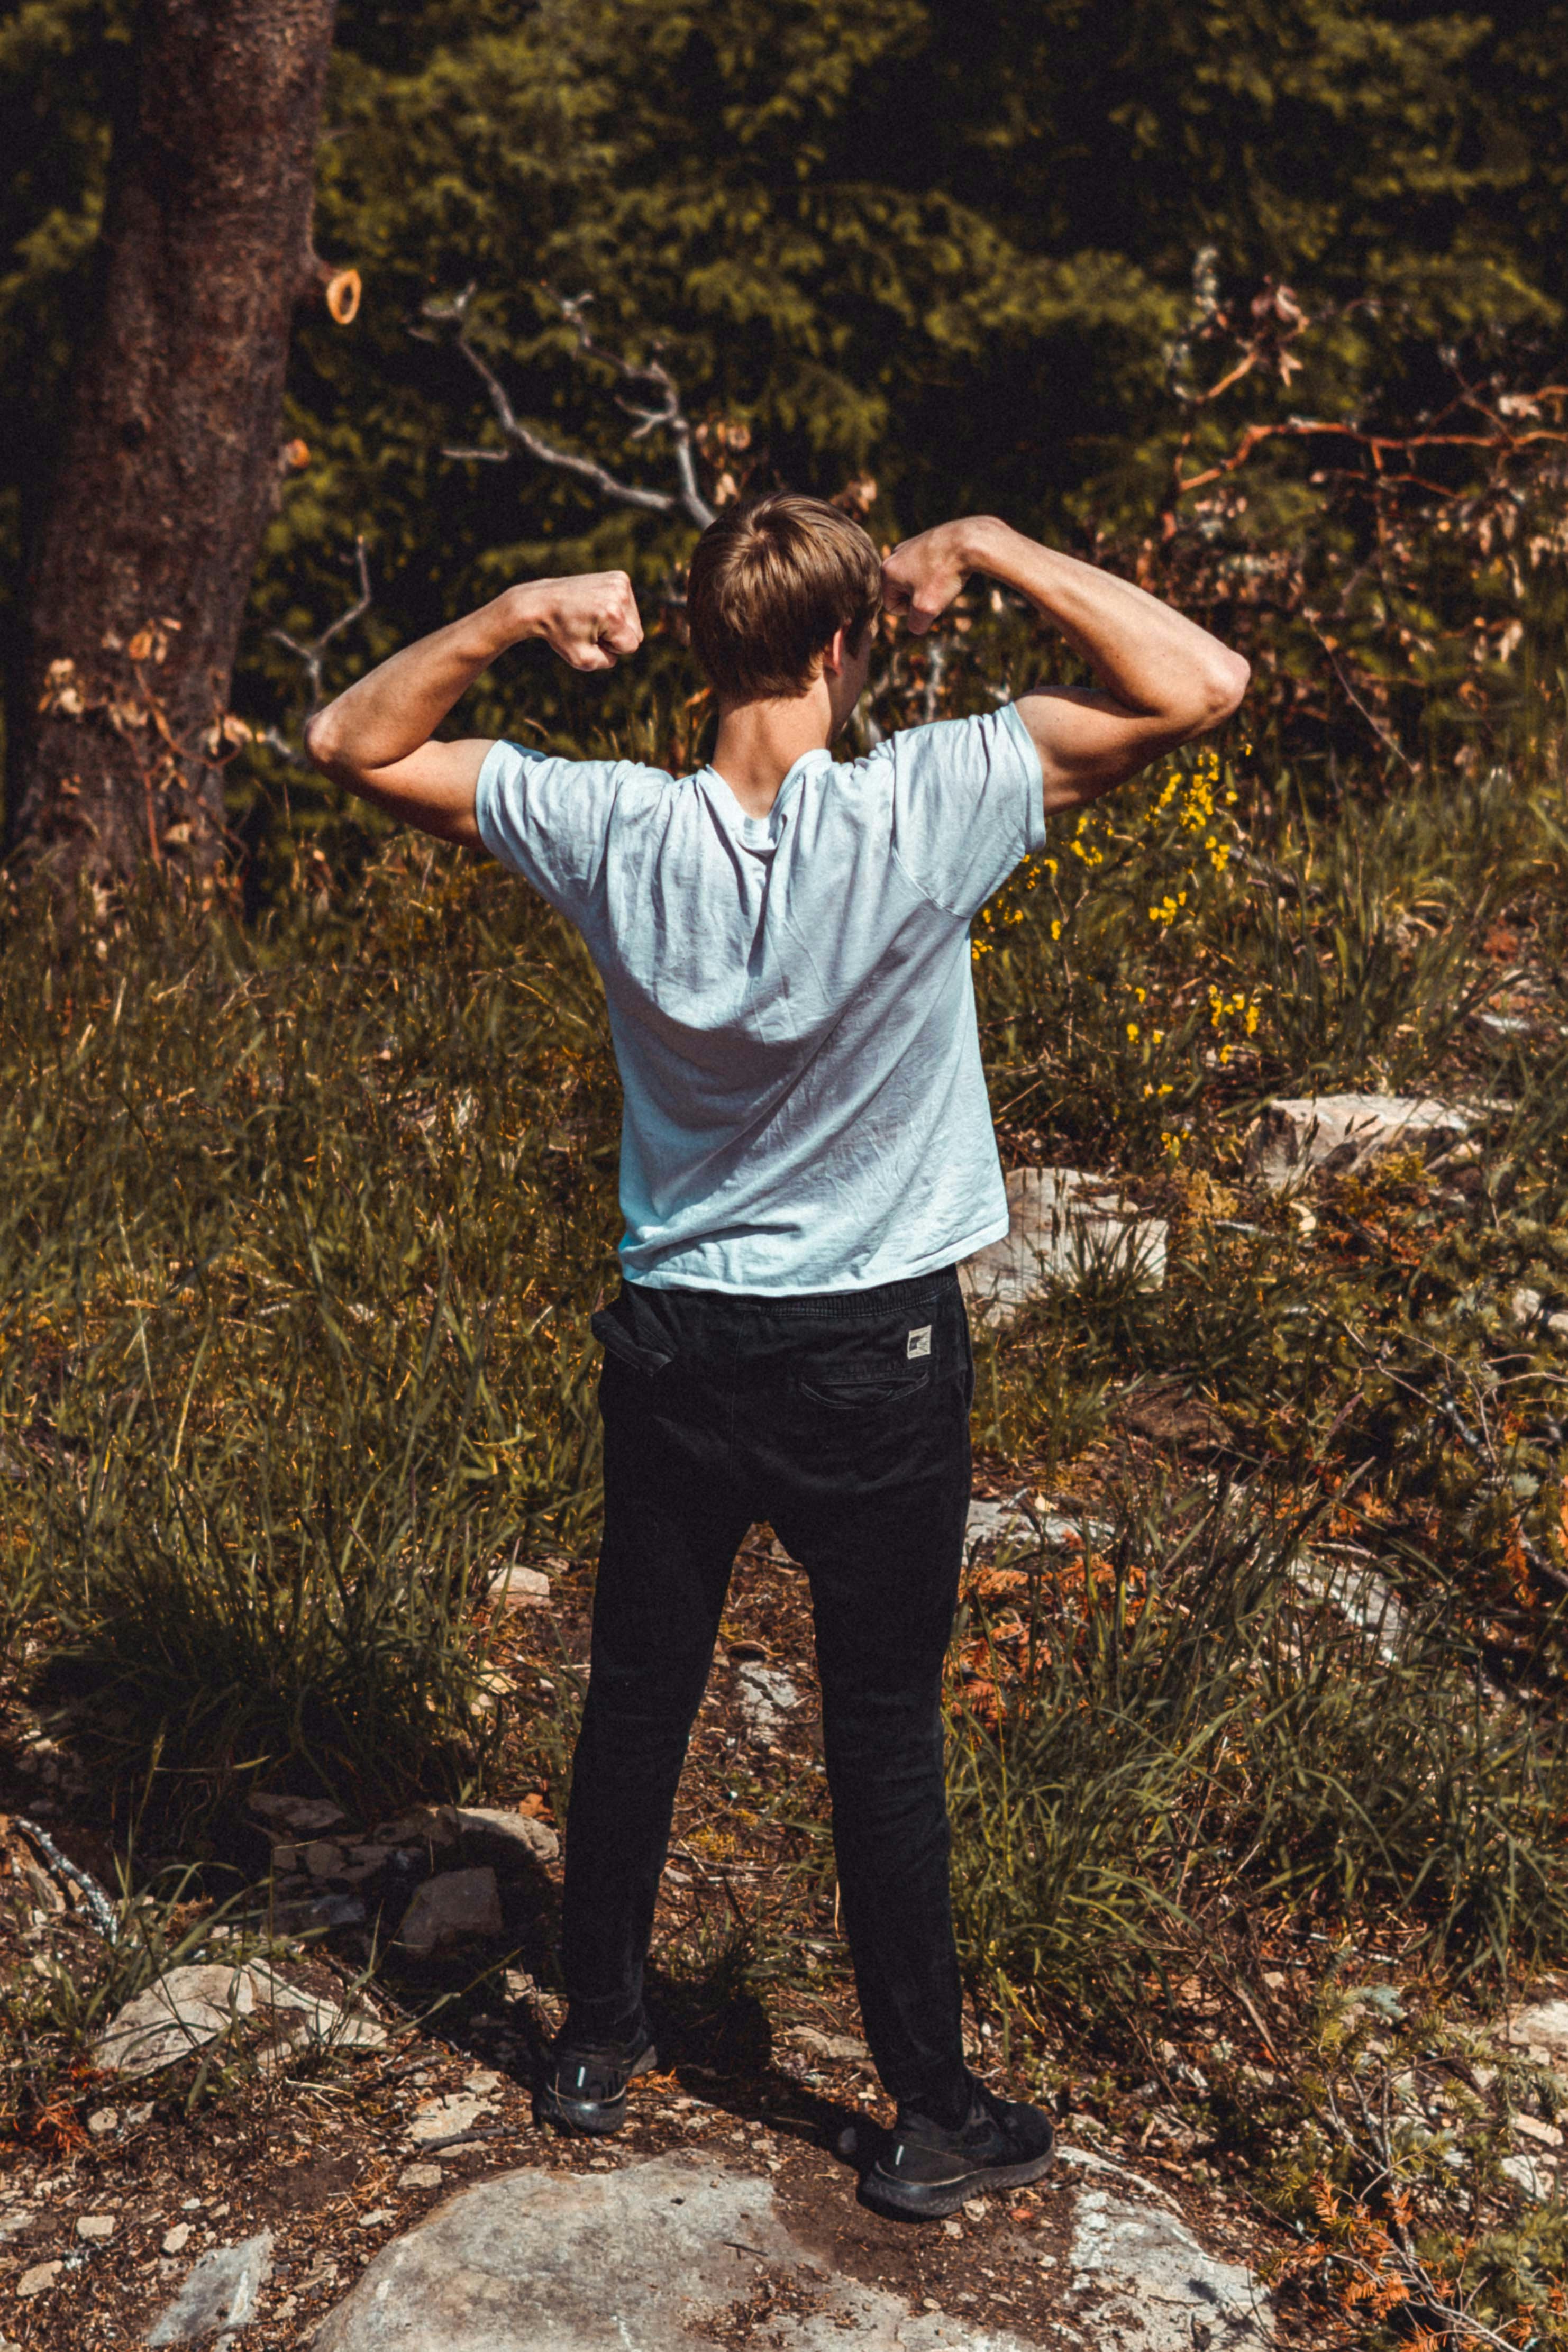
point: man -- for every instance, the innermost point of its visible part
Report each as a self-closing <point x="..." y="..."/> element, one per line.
<point x="806" y="1155"/>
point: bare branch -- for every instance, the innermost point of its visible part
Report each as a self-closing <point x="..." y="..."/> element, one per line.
<point x="666" y="411"/>
<point x="310" y="655"/>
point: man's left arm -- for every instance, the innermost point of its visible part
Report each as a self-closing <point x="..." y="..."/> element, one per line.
<point x="376" y="737"/>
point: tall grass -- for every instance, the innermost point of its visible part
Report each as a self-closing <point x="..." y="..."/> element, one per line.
<point x="296" y="1253"/>
<point x="302" y="1224"/>
<point x="1191" y="1729"/>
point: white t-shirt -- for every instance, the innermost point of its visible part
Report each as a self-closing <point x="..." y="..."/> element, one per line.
<point x="789" y="996"/>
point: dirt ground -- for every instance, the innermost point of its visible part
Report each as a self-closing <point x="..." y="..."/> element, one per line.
<point x="325" y="2156"/>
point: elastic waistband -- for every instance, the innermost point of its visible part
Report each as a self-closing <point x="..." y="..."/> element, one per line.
<point x="823" y="1305"/>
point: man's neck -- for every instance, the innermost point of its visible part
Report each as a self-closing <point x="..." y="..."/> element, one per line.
<point x="759" y="743"/>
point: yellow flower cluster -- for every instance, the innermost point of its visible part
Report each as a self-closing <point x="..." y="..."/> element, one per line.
<point x="1195" y="798"/>
<point x="1236" y="1006"/>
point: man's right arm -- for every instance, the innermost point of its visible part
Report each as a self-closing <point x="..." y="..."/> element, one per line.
<point x="1162" y="678"/>
<point x="378" y="737"/>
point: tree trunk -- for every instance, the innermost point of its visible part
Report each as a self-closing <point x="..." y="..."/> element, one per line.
<point x="170" y="463"/>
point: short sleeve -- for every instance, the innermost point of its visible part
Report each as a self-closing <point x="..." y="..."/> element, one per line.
<point x="547" y="818"/>
<point x="969" y="806"/>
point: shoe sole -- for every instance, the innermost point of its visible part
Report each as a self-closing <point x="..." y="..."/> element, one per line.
<point x="590" y="2118"/>
<point x="932" y="2201"/>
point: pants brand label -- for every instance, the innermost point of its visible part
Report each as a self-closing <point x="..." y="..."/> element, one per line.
<point x="919" y="1341"/>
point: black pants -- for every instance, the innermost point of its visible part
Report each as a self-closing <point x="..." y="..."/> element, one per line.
<point x="842" y="1419"/>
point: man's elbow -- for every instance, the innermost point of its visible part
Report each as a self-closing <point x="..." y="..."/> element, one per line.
<point x="1226" y="686"/>
<point x="325" y="748"/>
<point x="1225" y="677"/>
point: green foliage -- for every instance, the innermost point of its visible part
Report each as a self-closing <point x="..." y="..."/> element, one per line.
<point x="954" y="249"/>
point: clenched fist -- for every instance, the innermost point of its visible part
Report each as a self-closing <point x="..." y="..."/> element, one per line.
<point x="922" y="577"/>
<point x="590" y="621"/>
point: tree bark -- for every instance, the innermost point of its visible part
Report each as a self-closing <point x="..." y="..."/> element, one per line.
<point x="170" y="462"/>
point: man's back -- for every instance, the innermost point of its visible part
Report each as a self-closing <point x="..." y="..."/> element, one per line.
<point x="790" y="996"/>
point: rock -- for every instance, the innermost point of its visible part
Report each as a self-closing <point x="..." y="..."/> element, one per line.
<point x="1332" y="1134"/>
<point x="220" y="2293"/>
<point x="1525" y="1305"/>
<point x="319" y="1914"/>
<point x="321" y="2021"/>
<point x="1536" y="2180"/>
<point x="998" y="1522"/>
<point x="658" y="2254"/>
<point x="183" y="2011"/>
<point x="1542" y="2030"/>
<point x="447" y="2115"/>
<point x="39" y="2278"/>
<point x="103" y="2120"/>
<point x="836" y="2049"/>
<point x="420" y="2175"/>
<point x="95" y="2227"/>
<point x="507" y="1835"/>
<point x="515" y="1587"/>
<point x="1531" y="2129"/>
<point x="308" y="1817"/>
<point x="1361" y="1595"/>
<point x="453" y="1905"/>
<point x="176" y="2240"/>
<point x="1151" y="2270"/>
<point x="766" y="1696"/>
<point x="673" y="2251"/>
<point x="322" y="1859"/>
<point x="1063" y="1224"/>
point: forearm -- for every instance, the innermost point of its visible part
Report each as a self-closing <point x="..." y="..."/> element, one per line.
<point x="1156" y="662"/>
<point x="397" y="707"/>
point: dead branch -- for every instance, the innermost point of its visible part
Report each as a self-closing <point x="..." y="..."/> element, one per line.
<point x="311" y="654"/>
<point x="665" y="410"/>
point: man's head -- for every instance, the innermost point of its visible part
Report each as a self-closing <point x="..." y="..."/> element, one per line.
<point x="772" y="585"/>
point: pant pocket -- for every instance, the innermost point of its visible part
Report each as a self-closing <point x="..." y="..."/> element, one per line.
<point x="862" y="1396"/>
<point x="623" y="1346"/>
<point x="861" y="1371"/>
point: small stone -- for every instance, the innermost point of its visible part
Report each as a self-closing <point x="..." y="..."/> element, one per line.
<point x="521" y="1587"/>
<point x="1533" y="2179"/>
<point x="322" y="1859"/>
<point x="506" y="1836"/>
<point x="183" y="2011"/>
<point x="448" y="2115"/>
<point x="449" y="1907"/>
<point x="308" y="1816"/>
<point x="219" y="2295"/>
<point x="375" y="2221"/>
<point x="176" y="2240"/>
<point x="1542" y="2028"/>
<point x="420" y="2175"/>
<point x="839" y="2049"/>
<point x="103" y="2120"/>
<point x="39" y="2278"/>
<point x="138" y="2115"/>
<point x="95" y="2227"/>
<point x="1544" y="2134"/>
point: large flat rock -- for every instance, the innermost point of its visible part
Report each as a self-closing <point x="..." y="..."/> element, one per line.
<point x="1335" y="1134"/>
<point x="660" y="2255"/>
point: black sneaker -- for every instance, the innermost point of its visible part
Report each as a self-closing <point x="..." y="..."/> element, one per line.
<point x="927" y="2169"/>
<point x="584" y="2086"/>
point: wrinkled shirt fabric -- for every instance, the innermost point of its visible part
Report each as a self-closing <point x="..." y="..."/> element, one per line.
<point x="790" y="996"/>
